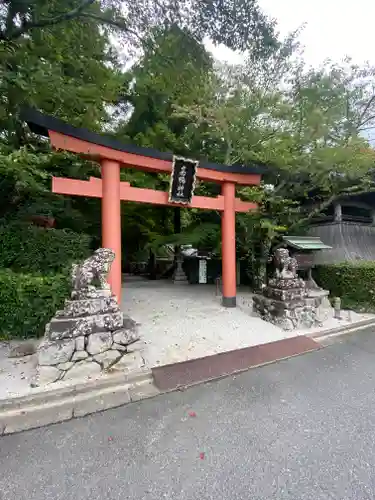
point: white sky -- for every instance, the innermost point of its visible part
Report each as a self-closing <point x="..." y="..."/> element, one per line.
<point x="334" y="28"/>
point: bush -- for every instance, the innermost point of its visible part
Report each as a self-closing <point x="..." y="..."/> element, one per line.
<point x="29" y="301"/>
<point x="32" y="249"/>
<point x="353" y="282"/>
<point x="35" y="265"/>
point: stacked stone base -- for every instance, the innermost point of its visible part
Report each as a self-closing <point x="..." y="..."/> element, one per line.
<point x="179" y="277"/>
<point x="284" y="304"/>
<point x="89" y="336"/>
<point x="319" y="298"/>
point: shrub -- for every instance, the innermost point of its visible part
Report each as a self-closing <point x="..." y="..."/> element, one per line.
<point x="34" y="266"/>
<point x="32" y="249"/>
<point x="353" y="282"/>
<point x="29" y="301"/>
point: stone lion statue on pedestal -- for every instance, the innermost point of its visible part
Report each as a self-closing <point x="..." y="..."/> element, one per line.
<point x="94" y="268"/>
<point x="285" y="266"/>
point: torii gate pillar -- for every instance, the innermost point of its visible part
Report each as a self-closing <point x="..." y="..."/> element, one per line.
<point x="111" y="220"/>
<point x="228" y="244"/>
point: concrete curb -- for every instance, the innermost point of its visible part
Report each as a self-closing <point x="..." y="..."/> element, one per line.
<point x="342" y="330"/>
<point x="57" y="405"/>
<point x="39" y="409"/>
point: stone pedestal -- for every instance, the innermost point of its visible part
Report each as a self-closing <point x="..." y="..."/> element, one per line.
<point x="283" y="301"/>
<point x="179" y="277"/>
<point x="319" y="299"/>
<point x="88" y="336"/>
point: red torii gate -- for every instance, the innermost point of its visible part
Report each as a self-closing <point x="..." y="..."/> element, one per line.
<point x="112" y="155"/>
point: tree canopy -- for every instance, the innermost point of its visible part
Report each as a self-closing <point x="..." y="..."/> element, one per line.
<point x="238" y="24"/>
<point x="310" y="126"/>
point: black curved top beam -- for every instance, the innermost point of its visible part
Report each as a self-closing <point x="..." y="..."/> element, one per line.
<point x="40" y="123"/>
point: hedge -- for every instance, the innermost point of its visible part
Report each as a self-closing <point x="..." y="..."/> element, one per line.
<point x="32" y="249"/>
<point x="29" y="301"/>
<point x="35" y="265"/>
<point x="353" y="282"/>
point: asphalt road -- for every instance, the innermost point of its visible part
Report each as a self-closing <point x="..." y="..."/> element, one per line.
<point x="303" y="428"/>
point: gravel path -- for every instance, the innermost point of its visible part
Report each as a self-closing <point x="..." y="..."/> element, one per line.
<point x="181" y="322"/>
<point x="178" y="323"/>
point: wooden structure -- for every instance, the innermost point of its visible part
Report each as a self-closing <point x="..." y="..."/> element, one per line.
<point x="113" y="155"/>
<point x="303" y="249"/>
<point x="348" y="226"/>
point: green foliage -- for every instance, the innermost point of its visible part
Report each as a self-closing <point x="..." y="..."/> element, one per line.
<point x="29" y="301"/>
<point x="354" y="283"/>
<point x="239" y="24"/>
<point x="307" y="125"/>
<point x="203" y="235"/>
<point x="60" y="56"/>
<point x="172" y="69"/>
<point x="34" y="275"/>
<point x="66" y="69"/>
<point x="25" y="187"/>
<point x="57" y="56"/>
<point x="320" y="137"/>
<point x="20" y="178"/>
<point x="170" y="73"/>
<point x="32" y="249"/>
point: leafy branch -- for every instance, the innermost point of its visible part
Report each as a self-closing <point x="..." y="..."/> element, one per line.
<point x="12" y="32"/>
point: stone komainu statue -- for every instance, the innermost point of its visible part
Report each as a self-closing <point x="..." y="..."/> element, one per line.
<point x="94" y="268"/>
<point x="90" y="334"/>
<point x="285" y="266"/>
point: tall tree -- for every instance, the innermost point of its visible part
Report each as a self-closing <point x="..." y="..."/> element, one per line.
<point x="68" y="70"/>
<point x="240" y="24"/>
<point x="318" y="149"/>
<point x="173" y="66"/>
<point x="37" y="37"/>
<point x="171" y="70"/>
<point x="322" y="125"/>
<point x="307" y="125"/>
<point x="55" y="55"/>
